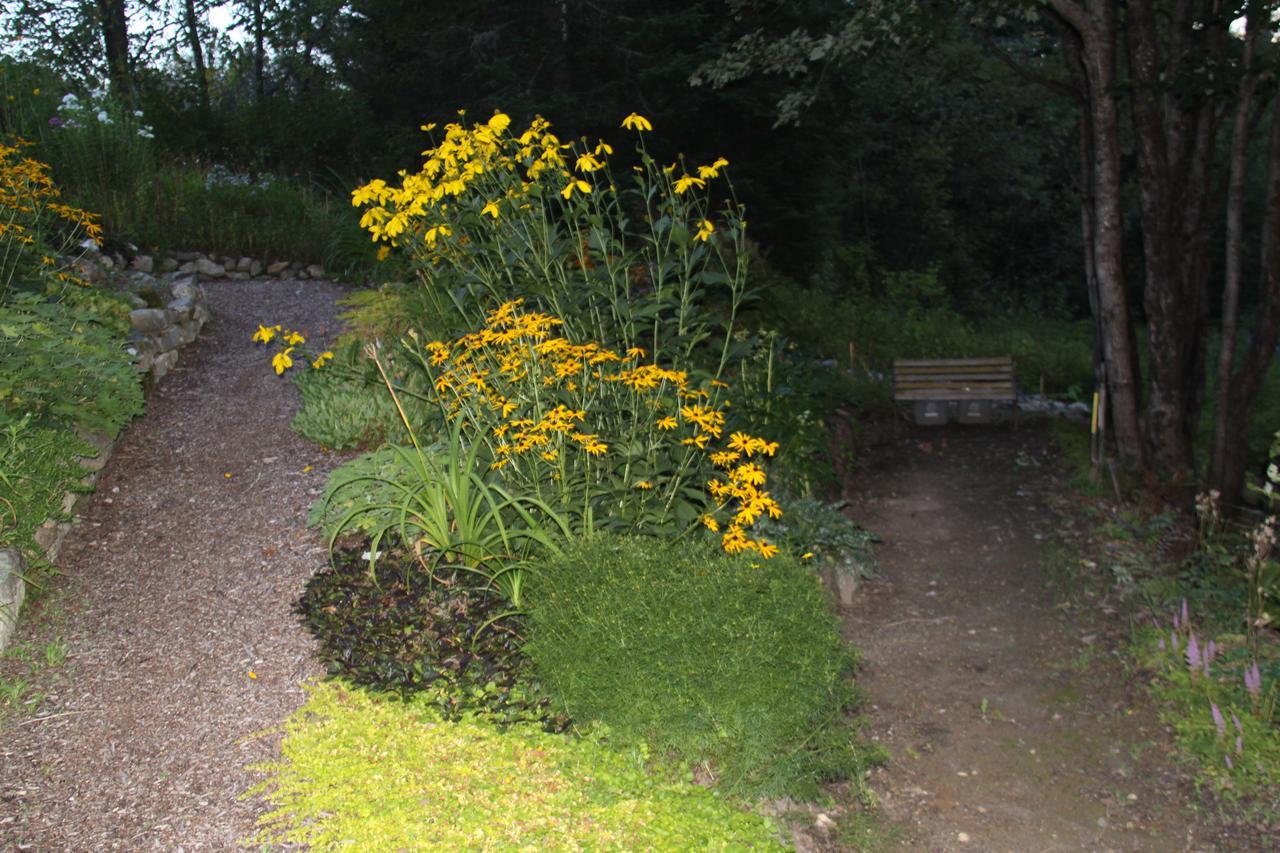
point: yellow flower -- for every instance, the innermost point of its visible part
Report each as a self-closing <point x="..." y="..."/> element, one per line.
<point x="282" y="362"/>
<point x="603" y="148"/>
<point x="685" y="181"/>
<point x="293" y="338"/>
<point x="712" y="171"/>
<point x="322" y="359"/>
<point x="491" y="208"/>
<point x="807" y="555"/>
<point x="264" y="334"/>
<point x="500" y="122"/>
<point x="766" y="549"/>
<point x="636" y="122"/>
<point x="644" y="485"/>
<point x="668" y="422"/>
<point x="588" y="163"/>
<point x="383" y="251"/>
<point x="710" y="523"/>
<point x="575" y="184"/>
<point x="705" y="229"/>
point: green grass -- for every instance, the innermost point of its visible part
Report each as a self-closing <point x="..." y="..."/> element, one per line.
<point x="733" y="665"/>
<point x="372" y="773"/>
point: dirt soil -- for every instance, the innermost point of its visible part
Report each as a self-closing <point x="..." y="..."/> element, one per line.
<point x="176" y="605"/>
<point x="1011" y="723"/>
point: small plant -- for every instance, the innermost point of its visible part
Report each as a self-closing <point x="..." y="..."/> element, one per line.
<point x="407" y="633"/>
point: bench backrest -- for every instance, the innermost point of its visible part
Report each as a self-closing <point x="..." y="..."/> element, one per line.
<point x="954" y="379"/>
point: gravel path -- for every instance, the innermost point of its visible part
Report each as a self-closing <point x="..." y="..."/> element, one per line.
<point x="178" y="583"/>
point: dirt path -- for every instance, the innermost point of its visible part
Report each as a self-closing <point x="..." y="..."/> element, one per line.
<point x="179" y="583"/>
<point x="1011" y="725"/>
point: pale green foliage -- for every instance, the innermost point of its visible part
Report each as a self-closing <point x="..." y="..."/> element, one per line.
<point x="359" y="772"/>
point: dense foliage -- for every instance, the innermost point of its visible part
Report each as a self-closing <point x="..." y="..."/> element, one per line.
<point x="728" y="663"/>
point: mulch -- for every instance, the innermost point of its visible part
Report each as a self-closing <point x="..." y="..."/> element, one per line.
<point x="175" y="605"/>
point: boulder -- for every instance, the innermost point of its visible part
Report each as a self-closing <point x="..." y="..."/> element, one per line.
<point x="277" y="268"/>
<point x="168" y="264"/>
<point x="164" y="363"/>
<point x="255" y="268"/>
<point x="239" y="276"/>
<point x="185" y="257"/>
<point x="315" y="271"/>
<point x="187" y="268"/>
<point x="184" y="288"/>
<point x="204" y="266"/>
<point x="12" y="590"/>
<point x="143" y="263"/>
<point x="244" y="264"/>
<point x="180" y="309"/>
<point x="149" y="319"/>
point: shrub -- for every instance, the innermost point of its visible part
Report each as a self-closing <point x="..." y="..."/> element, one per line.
<point x="734" y="664"/>
<point x="378" y="774"/>
<point x="342" y="406"/>
<point x="37" y="466"/>
<point x="407" y="633"/>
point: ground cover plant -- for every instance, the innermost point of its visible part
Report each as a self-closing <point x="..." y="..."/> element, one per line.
<point x="381" y="774"/>
<point x="725" y="663"/>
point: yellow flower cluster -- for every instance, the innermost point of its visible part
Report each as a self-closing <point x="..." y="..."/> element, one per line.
<point x="26" y="188"/>
<point x="458" y="176"/>
<point x="533" y="393"/>
<point x="283" y="359"/>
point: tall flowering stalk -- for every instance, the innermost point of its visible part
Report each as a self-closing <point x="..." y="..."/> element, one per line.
<point x="494" y="215"/>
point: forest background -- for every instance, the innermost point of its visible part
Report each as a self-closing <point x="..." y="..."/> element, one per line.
<point x="922" y="179"/>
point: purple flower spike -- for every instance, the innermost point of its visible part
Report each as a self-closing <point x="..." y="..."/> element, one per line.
<point x="1162" y="644"/>
<point x="1218" y="722"/>
<point x="1253" y="681"/>
<point x="1236" y="720"/>
<point x="1193" y="653"/>
<point x="1227" y="758"/>
<point x="1173" y="638"/>
<point x="1186" y="617"/>
<point x="1239" y="745"/>
<point x="1177" y="621"/>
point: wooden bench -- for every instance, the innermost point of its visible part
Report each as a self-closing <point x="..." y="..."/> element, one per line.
<point x="964" y="388"/>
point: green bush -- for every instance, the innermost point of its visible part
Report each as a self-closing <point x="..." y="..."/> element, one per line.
<point x="731" y="663"/>
<point x="341" y="407"/>
<point x="372" y="773"/>
<point x="832" y="539"/>
<point x="405" y="633"/>
<point x="63" y="366"/>
<point x="37" y="466"/>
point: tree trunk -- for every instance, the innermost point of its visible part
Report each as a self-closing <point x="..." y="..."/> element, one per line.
<point x="1227" y="465"/>
<point x="1097" y="30"/>
<point x="113" y="20"/>
<point x="259" y="55"/>
<point x="192" y="26"/>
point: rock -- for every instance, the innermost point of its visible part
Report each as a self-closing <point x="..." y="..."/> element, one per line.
<point x="187" y="268"/>
<point x="187" y="332"/>
<point x="13" y="589"/>
<point x="89" y="270"/>
<point x="846" y="587"/>
<point x="104" y="446"/>
<point x="149" y="319"/>
<point x="244" y="264"/>
<point x="227" y="261"/>
<point x="163" y="364"/>
<point x="277" y="268"/>
<point x="118" y="260"/>
<point x="238" y="276"/>
<point x="106" y="263"/>
<point x="200" y="313"/>
<point x="141" y="280"/>
<point x="143" y="362"/>
<point x="170" y="340"/>
<point x="168" y="264"/>
<point x="255" y="268"/>
<point x="185" y="257"/>
<point x="204" y="266"/>
<point x="315" y="271"/>
<point x="135" y="300"/>
<point x="181" y="308"/>
<point x="301" y="275"/>
<point x="143" y="263"/>
<point x="184" y="288"/>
